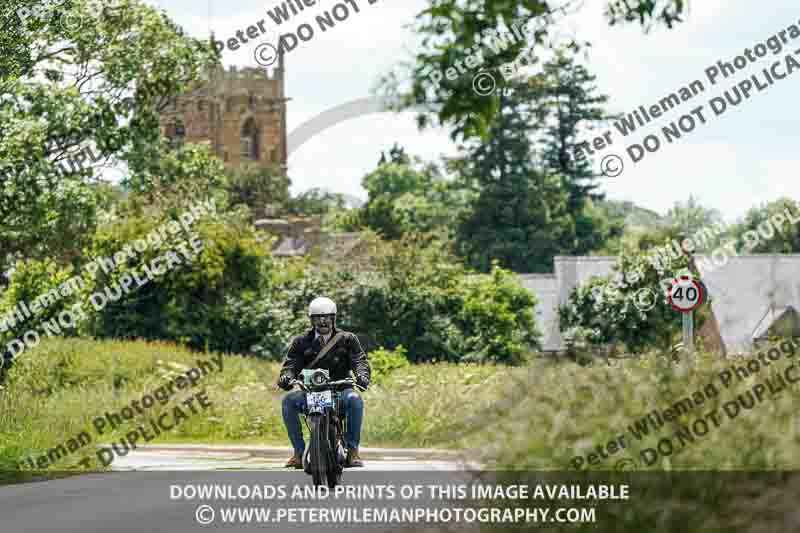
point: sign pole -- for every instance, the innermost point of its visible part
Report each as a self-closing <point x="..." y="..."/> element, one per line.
<point x="688" y="332"/>
<point x="685" y="295"/>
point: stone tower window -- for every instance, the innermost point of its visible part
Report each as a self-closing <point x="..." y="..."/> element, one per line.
<point x="250" y="140"/>
<point x="178" y="133"/>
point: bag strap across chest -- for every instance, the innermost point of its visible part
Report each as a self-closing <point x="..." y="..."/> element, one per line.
<point x="326" y="349"/>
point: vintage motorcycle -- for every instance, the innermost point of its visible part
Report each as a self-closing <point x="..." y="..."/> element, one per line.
<point x="326" y="454"/>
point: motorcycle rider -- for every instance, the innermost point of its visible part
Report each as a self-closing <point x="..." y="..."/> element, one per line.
<point x="345" y="356"/>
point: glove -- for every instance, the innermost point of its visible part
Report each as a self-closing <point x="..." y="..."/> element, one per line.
<point x="362" y="380"/>
<point x="284" y="380"/>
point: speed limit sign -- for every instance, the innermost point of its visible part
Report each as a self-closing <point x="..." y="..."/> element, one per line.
<point x="685" y="294"/>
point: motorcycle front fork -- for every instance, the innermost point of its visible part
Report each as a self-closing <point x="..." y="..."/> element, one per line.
<point x="337" y="422"/>
<point x="341" y="452"/>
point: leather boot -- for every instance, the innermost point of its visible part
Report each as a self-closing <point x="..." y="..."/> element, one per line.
<point x="295" y="462"/>
<point x="353" y="460"/>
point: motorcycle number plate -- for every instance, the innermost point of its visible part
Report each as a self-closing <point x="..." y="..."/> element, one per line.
<point x="317" y="401"/>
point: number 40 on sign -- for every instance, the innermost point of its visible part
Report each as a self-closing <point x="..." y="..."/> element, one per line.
<point x="685" y="294"/>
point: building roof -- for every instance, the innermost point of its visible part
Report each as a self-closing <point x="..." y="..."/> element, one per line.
<point x="746" y="291"/>
<point x="291" y="246"/>
<point x="774" y="317"/>
<point x="339" y="245"/>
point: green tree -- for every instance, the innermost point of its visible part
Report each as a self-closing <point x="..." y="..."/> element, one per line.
<point x="520" y="216"/>
<point x="406" y="195"/>
<point x="99" y="85"/>
<point x="207" y="302"/>
<point x="628" y="309"/>
<point x="396" y="177"/>
<point x="255" y="186"/>
<point x="397" y="154"/>
<point x="566" y="103"/>
<point x="448" y="28"/>
<point x="689" y="218"/>
<point x="755" y="235"/>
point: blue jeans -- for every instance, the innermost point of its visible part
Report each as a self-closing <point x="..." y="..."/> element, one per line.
<point x="295" y="402"/>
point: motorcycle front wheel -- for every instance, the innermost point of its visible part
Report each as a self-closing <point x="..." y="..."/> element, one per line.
<point x="318" y="426"/>
<point x="334" y="466"/>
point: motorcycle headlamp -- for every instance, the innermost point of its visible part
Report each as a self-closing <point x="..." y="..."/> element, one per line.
<point x="316" y="377"/>
<point x="319" y="378"/>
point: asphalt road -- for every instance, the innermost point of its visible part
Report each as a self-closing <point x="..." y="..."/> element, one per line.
<point x="205" y="457"/>
<point x="147" y="492"/>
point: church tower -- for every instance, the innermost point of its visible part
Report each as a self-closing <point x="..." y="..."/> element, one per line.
<point x="241" y="114"/>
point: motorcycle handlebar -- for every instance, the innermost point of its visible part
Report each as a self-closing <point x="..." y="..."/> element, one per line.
<point x="329" y="384"/>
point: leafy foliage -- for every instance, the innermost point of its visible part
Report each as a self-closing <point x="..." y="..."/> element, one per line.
<point x="199" y="302"/>
<point x="450" y="27"/>
<point x="566" y="104"/>
<point x="98" y="82"/>
<point x="383" y="362"/>
<point x="406" y="196"/>
<point x="34" y="280"/>
<point x="256" y="186"/>
<point x="425" y="300"/>
<point x="646" y="12"/>
<point x="756" y="236"/>
<point x="315" y="201"/>
<point x="417" y="295"/>
<point x="520" y="214"/>
<point x="629" y="308"/>
<point x="691" y="217"/>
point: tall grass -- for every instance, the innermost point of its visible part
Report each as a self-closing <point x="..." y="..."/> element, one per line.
<point x="55" y="391"/>
<point x="732" y="478"/>
<point x="535" y="417"/>
<point x="566" y="410"/>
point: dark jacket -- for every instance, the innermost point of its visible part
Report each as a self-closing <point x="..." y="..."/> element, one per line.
<point x="347" y="355"/>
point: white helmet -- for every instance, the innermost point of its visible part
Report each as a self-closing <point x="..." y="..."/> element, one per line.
<point x="321" y="306"/>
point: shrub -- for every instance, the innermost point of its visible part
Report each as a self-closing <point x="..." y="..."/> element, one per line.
<point x="262" y="325"/>
<point x="383" y="362"/>
<point x="419" y="296"/>
<point x="32" y="279"/>
<point x="199" y="303"/>
<point x="496" y="318"/>
<point x="608" y="310"/>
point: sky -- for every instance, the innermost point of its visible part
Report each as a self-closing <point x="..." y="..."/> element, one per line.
<point x="740" y="159"/>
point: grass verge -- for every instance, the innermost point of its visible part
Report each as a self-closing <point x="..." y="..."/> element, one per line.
<point x="55" y="392"/>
